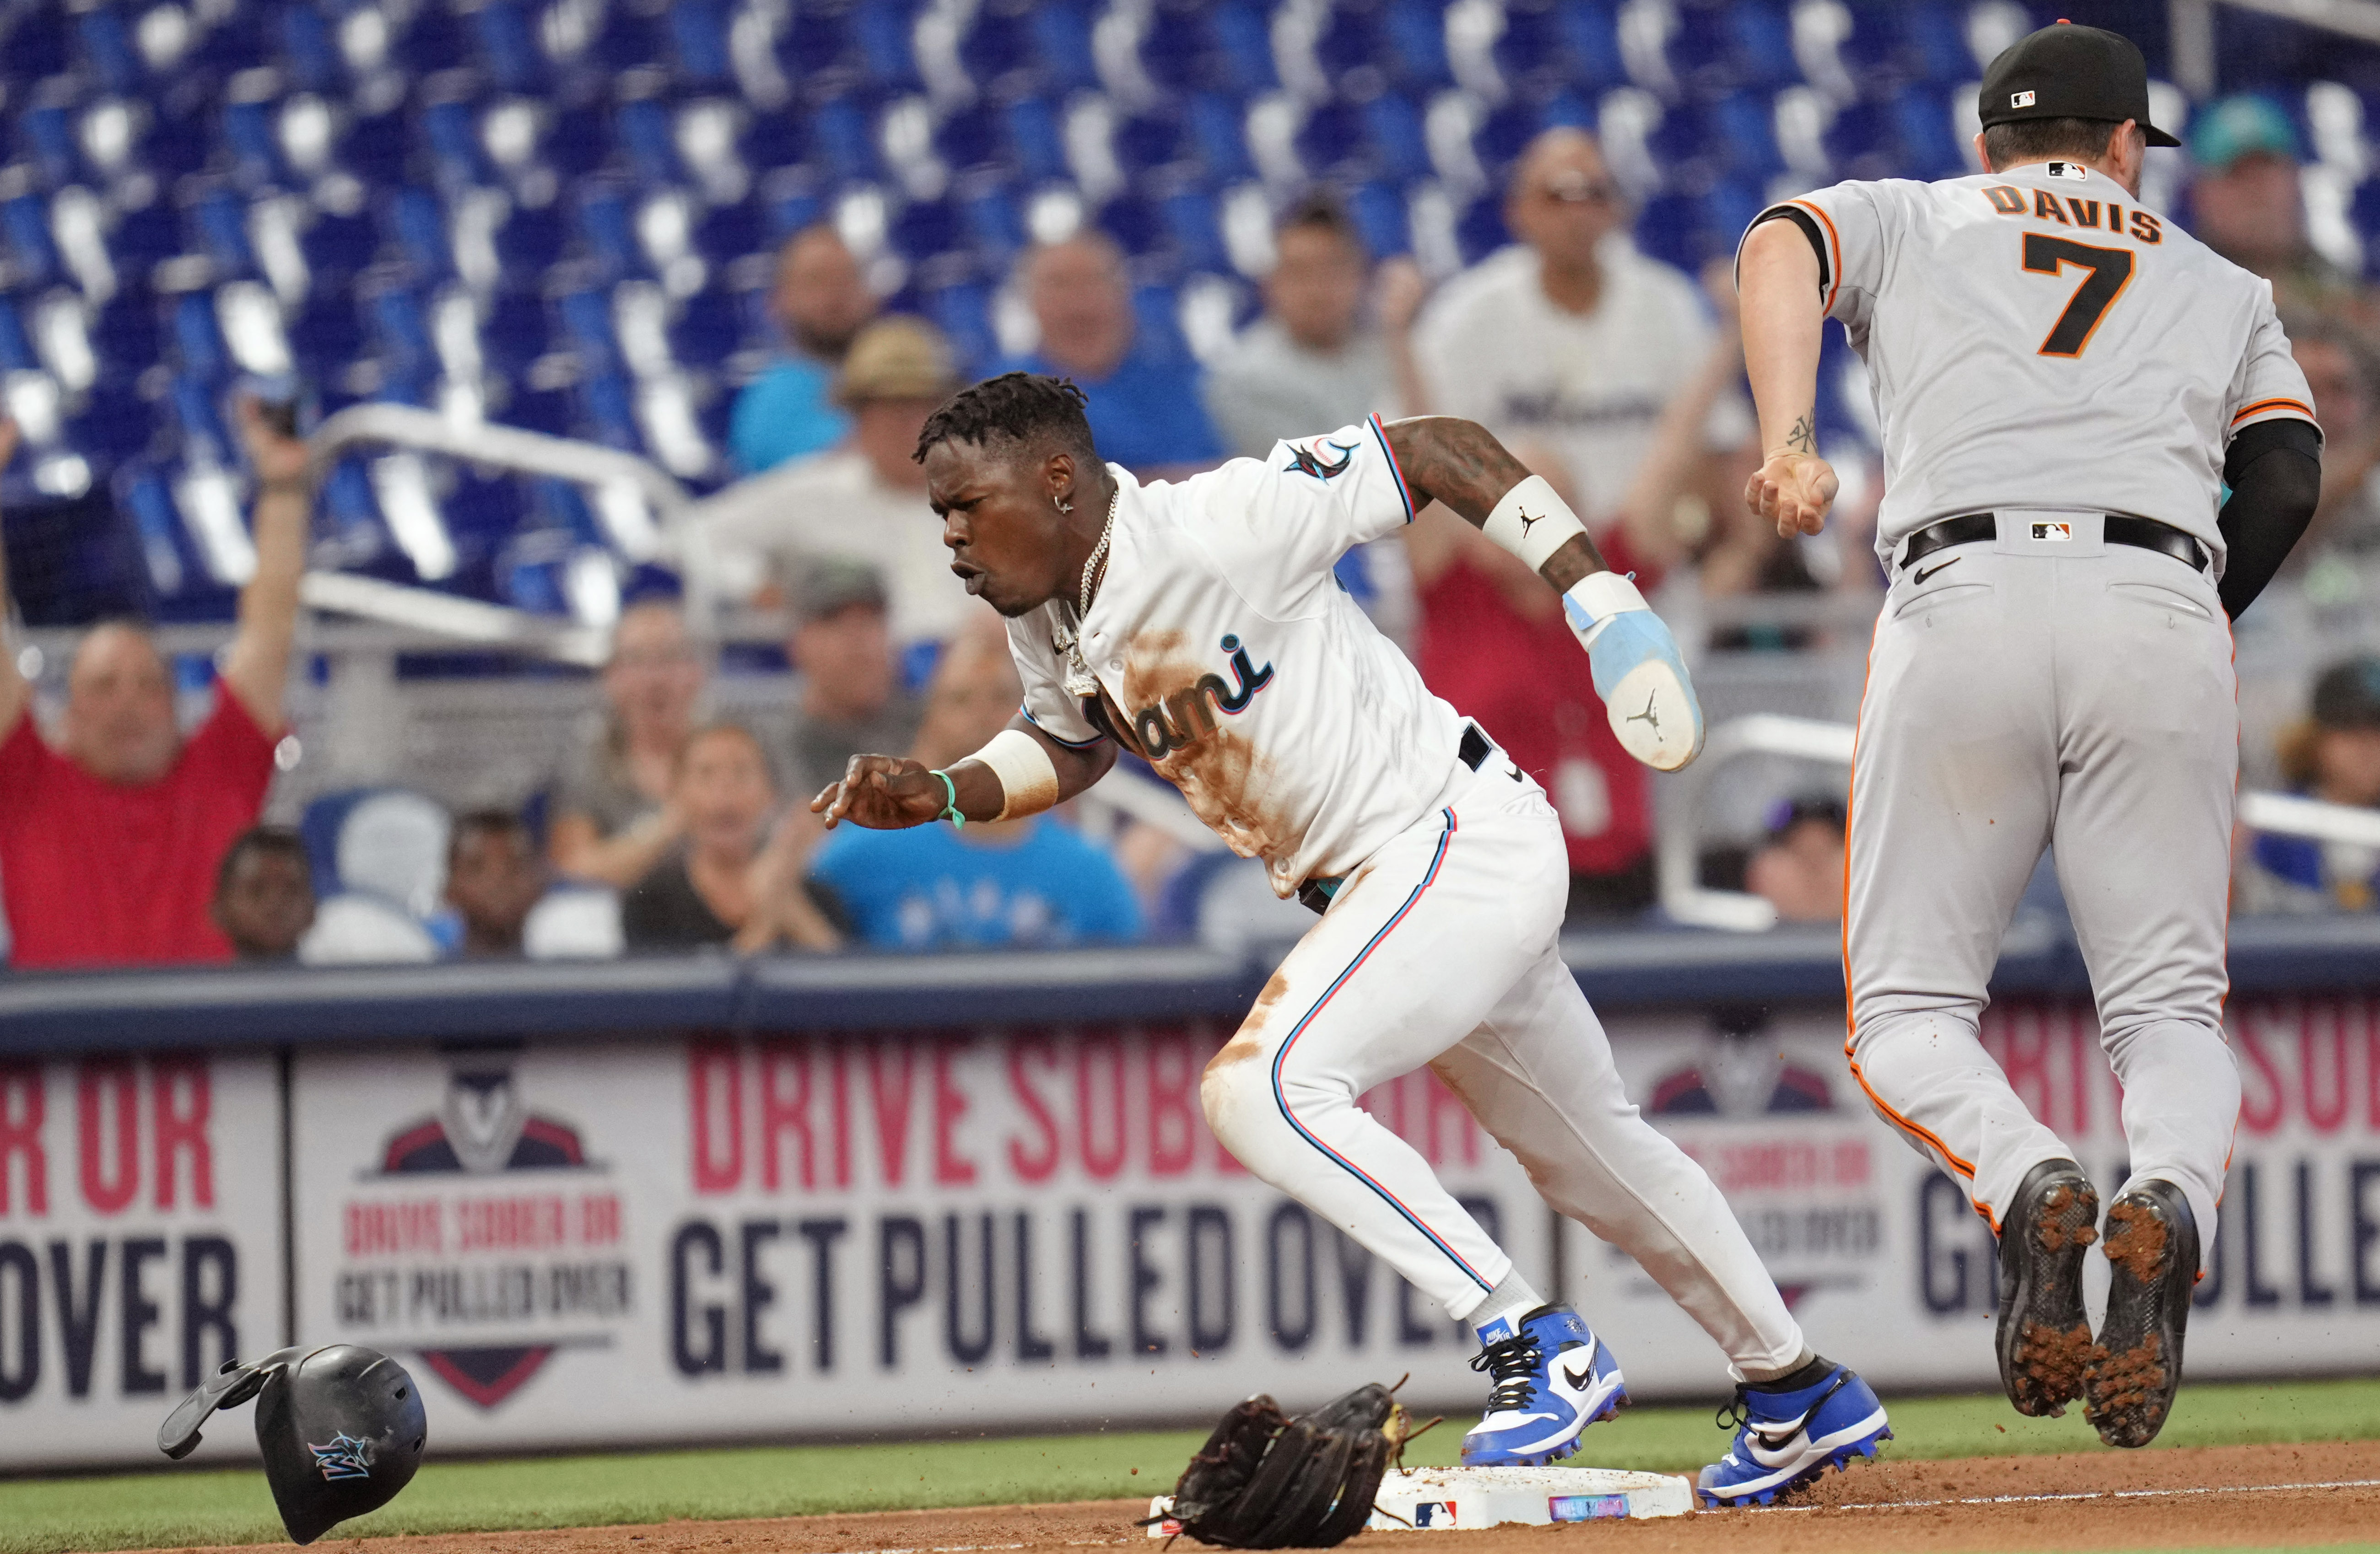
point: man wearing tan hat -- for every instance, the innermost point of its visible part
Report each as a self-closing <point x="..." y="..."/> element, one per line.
<point x="863" y="500"/>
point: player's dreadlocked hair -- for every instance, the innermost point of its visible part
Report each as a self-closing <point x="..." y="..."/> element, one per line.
<point x="1020" y="407"/>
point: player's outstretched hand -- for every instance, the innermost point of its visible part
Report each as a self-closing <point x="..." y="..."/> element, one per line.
<point x="1648" y="695"/>
<point x="1793" y="489"/>
<point x="882" y="793"/>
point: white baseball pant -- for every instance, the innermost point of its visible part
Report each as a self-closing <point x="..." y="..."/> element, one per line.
<point x="1441" y="949"/>
<point x="2058" y="693"/>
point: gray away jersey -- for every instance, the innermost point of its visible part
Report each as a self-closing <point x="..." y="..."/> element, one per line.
<point x="2035" y="339"/>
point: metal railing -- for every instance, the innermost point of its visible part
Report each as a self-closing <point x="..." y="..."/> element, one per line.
<point x="1678" y="860"/>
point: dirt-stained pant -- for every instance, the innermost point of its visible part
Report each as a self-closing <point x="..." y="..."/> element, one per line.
<point x="2059" y="693"/>
<point x="1441" y="949"/>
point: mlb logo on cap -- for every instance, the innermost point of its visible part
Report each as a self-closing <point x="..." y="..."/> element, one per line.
<point x="2020" y="100"/>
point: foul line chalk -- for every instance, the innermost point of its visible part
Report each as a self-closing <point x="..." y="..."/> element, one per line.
<point x="2087" y="1495"/>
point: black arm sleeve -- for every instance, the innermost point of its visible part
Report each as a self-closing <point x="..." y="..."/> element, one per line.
<point x="1800" y="218"/>
<point x="2274" y="473"/>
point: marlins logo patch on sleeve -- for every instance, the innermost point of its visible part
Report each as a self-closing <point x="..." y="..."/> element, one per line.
<point x="1314" y="461"/>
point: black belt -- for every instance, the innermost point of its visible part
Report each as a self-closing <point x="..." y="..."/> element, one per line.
<point x="2119" y="529"/>
<point x="1475" y="750"/>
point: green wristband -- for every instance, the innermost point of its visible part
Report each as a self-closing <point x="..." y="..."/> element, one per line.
<point x="950" y="810"/>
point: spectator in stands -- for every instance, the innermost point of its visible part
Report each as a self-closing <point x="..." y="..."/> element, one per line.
<point x="612" y="817"/>
<point x="2333" y="756"/>
<point x="735" y="882"/>
<point x="865" y="500"/>
<point x="493" y="876"/>
<point x="852" y="701"/>
<point x="1494" y="642"/>
<point x="110" y="844"/>
<point x="265" y="893"/>
<point x="2247" y="204"/>
<point x="1145" y="406"/>
<point x="1799" y="869"/>
<point x="819" y="299"/>
<point x="2343" y="372"/>
<point x="1313" y="362"/>
<point x="1030" y="882"/>
<point x="1575" y="341"/>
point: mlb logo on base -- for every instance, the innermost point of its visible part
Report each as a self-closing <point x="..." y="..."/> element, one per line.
<point x="1433" y="1513"/>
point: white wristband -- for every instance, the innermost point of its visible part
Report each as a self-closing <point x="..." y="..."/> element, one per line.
<point x="1028" y="783"/>
<point x="1599" y="596"/>
<point x="1532" y="522"/>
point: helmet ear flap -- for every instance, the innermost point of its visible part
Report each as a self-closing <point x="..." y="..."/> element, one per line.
<point x="228" y="1388"/>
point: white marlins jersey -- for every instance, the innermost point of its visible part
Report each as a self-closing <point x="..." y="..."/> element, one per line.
<point x="1227" y="654"/>
<point x="2035" y="339"/>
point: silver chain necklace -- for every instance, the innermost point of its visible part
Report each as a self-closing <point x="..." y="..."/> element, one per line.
<point x="1080" y="681"/>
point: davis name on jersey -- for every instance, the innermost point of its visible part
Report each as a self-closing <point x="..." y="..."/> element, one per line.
<point x="1228" y="656"/>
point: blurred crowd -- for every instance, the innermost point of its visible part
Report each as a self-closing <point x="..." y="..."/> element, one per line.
<point x="666" y="828"/>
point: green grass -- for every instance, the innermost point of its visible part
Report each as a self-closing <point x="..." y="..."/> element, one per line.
<point x="179" y="1508"/>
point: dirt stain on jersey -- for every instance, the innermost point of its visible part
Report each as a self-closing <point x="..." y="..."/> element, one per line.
<point x="1229" y="784"/>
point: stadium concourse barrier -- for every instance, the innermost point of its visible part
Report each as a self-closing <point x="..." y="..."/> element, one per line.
<point x="707" y="1200"/>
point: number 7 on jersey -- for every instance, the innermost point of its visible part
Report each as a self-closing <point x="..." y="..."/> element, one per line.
<point x="2111" y="273"/>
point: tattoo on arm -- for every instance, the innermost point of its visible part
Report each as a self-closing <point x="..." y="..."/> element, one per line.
<point x="1454" y="461"/>
<point x="1459" y="463"/>
<point x="1803" y="438"/>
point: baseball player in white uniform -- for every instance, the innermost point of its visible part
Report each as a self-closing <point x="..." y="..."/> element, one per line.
<point x="1197" y="624"/>
<point x="2097" y="449"/>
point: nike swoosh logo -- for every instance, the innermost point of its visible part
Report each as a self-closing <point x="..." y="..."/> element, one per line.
<point x="1937" y="567"/>
<point x="1779" y="1434"/>
<point x="1579" y="1378"/>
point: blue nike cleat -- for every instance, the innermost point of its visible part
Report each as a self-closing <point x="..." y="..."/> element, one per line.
<point x="1551" y="1377"/>
<point x="1784" y="1438"/>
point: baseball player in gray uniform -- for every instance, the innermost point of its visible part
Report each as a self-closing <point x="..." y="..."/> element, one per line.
<point x="2097" y="449"/>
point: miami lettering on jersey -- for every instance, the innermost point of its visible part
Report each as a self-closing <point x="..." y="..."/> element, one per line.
<point x="1177" y="720"/>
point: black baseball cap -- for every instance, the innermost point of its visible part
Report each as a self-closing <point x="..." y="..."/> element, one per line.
<point x="2067" y="71"/>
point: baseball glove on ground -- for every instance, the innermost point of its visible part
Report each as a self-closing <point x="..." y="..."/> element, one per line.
<point x="1264" y="1480"/>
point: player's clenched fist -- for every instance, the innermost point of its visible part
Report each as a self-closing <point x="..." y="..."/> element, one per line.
<point x="1793" y="489"/>
<point x="882" y="793"/>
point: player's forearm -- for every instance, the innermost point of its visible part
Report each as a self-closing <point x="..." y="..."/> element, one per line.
<point x="1445" y="458"/>
<point x="1783" y="315"/>
<point x="258" y="665"/>
<point x="2275" y="472"/>
<point x="982" y="796"/>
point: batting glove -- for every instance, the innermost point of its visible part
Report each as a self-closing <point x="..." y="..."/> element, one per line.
<point x="1638" y="673"/>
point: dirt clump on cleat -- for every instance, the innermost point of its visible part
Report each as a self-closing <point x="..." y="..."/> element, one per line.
<point x="2153" y="1248"/>
<point x="2044" y="1338"/>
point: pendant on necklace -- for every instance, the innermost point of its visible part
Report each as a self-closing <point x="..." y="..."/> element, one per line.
<point x="1080" y="682"/>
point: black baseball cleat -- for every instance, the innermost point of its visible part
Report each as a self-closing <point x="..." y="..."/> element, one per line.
<point x="2152" y="1241"/>
<point x="2044" y="1334"/>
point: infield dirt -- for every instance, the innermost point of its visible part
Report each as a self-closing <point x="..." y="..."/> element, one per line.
<point x="2232" y="1496"/>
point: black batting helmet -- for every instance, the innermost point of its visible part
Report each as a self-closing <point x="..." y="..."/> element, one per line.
<point x="341" y="1427"/>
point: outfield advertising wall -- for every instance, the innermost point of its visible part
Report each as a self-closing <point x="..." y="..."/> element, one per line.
<point x="695" y="1237"/>
<point x="139" y="1245"/>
